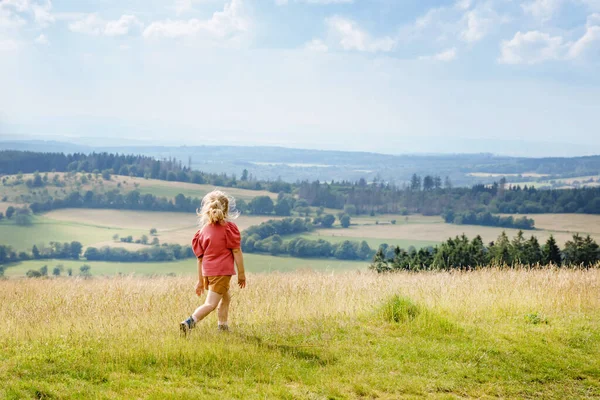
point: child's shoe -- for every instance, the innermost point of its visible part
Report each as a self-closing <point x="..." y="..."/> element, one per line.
<point x="223" y="328"/>
<point x="186" y="326"/>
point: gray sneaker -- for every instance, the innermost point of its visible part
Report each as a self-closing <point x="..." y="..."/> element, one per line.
<point x="186" y="326"/>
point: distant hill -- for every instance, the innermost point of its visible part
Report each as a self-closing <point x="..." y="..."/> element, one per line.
<point x="299" y="164"/>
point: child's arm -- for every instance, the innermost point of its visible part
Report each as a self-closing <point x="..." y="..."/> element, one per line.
<point x="239" y="262"/>
<point x="200" y="284"/>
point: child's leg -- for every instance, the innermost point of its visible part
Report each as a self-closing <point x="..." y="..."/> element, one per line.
<point x="212" y="300"/>
<point x="223" y="311"/>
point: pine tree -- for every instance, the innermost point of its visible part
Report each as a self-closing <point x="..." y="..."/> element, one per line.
<point x="551" y="253"/>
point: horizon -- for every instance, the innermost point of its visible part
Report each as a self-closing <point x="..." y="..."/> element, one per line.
<point x="88" y="142"/>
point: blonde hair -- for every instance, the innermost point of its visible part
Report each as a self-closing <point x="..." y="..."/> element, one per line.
<point x="217" y="207"/>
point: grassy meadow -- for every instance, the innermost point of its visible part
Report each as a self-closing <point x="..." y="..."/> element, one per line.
<point x="484" y="334"/>
<point x="256" y="263"/>
<point x="15" y="190"/>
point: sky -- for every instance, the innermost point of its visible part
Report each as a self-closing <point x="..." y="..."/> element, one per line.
<point x="513" y="77"/>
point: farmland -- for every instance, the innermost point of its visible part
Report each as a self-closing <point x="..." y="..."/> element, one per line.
<point x="255" y="263"/>
<point x="419" y="230"/>
<point x="511" y="334"/>
<point x="14" y="188"/>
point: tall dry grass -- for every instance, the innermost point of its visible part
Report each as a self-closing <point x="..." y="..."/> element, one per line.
<point x="282" y="302"/>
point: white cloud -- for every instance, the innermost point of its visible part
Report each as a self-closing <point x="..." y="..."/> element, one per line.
<point x="590" y="38"/>
<point x="463" y="4"/>
<point x="444" y="56"/>
<point x="94" y="25"/>
<point x="531" y="48"/>
<point x="351" y="37"/>
<point x="223" y="24"/>
<point x="42" y="39"/>
<point x="15" y="9"/>
<point x="542" y="9"/>
<point x="479" y="22"/>
<point x="316" y="45"/>
<point x="42" y="14"/>
<point x="122" y="25"/>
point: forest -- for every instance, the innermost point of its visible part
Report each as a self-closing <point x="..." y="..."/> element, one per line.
<point x="462" y="253"/>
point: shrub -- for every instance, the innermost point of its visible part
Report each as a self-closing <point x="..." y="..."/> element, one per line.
<point x="400" y="309"/>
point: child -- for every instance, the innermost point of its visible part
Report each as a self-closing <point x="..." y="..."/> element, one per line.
<point x="217" y="246"/>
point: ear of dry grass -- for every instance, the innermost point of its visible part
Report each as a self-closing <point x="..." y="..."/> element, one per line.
<point x="489" y="333"/>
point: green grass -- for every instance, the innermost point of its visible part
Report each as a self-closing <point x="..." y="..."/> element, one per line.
<point x="303" y="336"/>
<point x="254" y="263"/>
<point x="45" y="230"/>
<point x="374" y="243"/>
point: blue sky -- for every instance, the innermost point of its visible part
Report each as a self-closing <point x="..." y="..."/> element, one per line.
<point x="515" y="77"/>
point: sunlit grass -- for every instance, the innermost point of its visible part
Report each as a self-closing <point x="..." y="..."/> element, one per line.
<point x="489" y="333"/>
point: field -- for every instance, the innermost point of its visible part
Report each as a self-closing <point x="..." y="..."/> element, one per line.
<point x="97" y="227"/>
<point x="418" y="230"/>
<point x="563" y="183"/>
<point x="20" y="193"/>
<point x="255" y="263"/>
<point x="500" y="175"/>
<point x="484" y="334"/>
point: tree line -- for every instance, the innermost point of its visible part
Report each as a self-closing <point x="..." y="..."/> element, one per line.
<point x="499" y="197"/>
<point x="267" y="238"/>
<point x="14" y="162"/>
<point x="462" y="253"/>
<point x="162" y="253"/>
<point x="487" y="219"/>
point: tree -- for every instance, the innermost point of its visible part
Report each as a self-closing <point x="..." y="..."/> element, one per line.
<point x="35" y="252"/>
<point x="415" y="183"/>
<point x="447" y="183"/>
<point x="33" y="274"/>
<point x="106" y="174"/>
<point x="153" y="231"/>
<point x="551" y="252"/>
<point x="23" y="217"/>
<point x="144" y="239"/>
<point x="283" y="208"/>
<point x="70" y="271"/>
<point x="116" y="237"/>
<point x="345" y="251"/>
<point x="428" y="183"/>
<point x="57" y="270"/>
<point x="10" y="211"/>
<point x="261" y="205"/>
<point x="85" y="271"/>
<point x="244" y="175"/>
<point x="75" y="250"/>
<point x="44" y="270"/>
<point x="327" y="221"/>
<point x="345" y="220"/>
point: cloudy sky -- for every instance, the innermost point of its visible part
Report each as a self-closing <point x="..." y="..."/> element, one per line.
<point x="396" y="76"/>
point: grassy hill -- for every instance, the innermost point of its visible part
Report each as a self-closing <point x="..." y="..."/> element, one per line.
<point x="484" y="334"/>
<point x="13" y="188"/>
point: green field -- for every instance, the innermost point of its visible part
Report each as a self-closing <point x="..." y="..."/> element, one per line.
<point x="45" y="230"/>
<point x="514" y="334"/>
<point x="255" y="263"/>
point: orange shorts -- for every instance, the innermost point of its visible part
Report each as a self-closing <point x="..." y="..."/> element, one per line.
<point x="217" y="284"/>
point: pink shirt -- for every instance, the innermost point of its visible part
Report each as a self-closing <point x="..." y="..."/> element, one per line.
<point x="214" y="244"/>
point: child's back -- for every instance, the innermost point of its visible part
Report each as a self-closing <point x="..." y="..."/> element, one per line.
<point x="217" y="248"/>
<point x="214" y="244"/>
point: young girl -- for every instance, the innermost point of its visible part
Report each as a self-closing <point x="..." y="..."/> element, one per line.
<point x="217" y="247"/>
